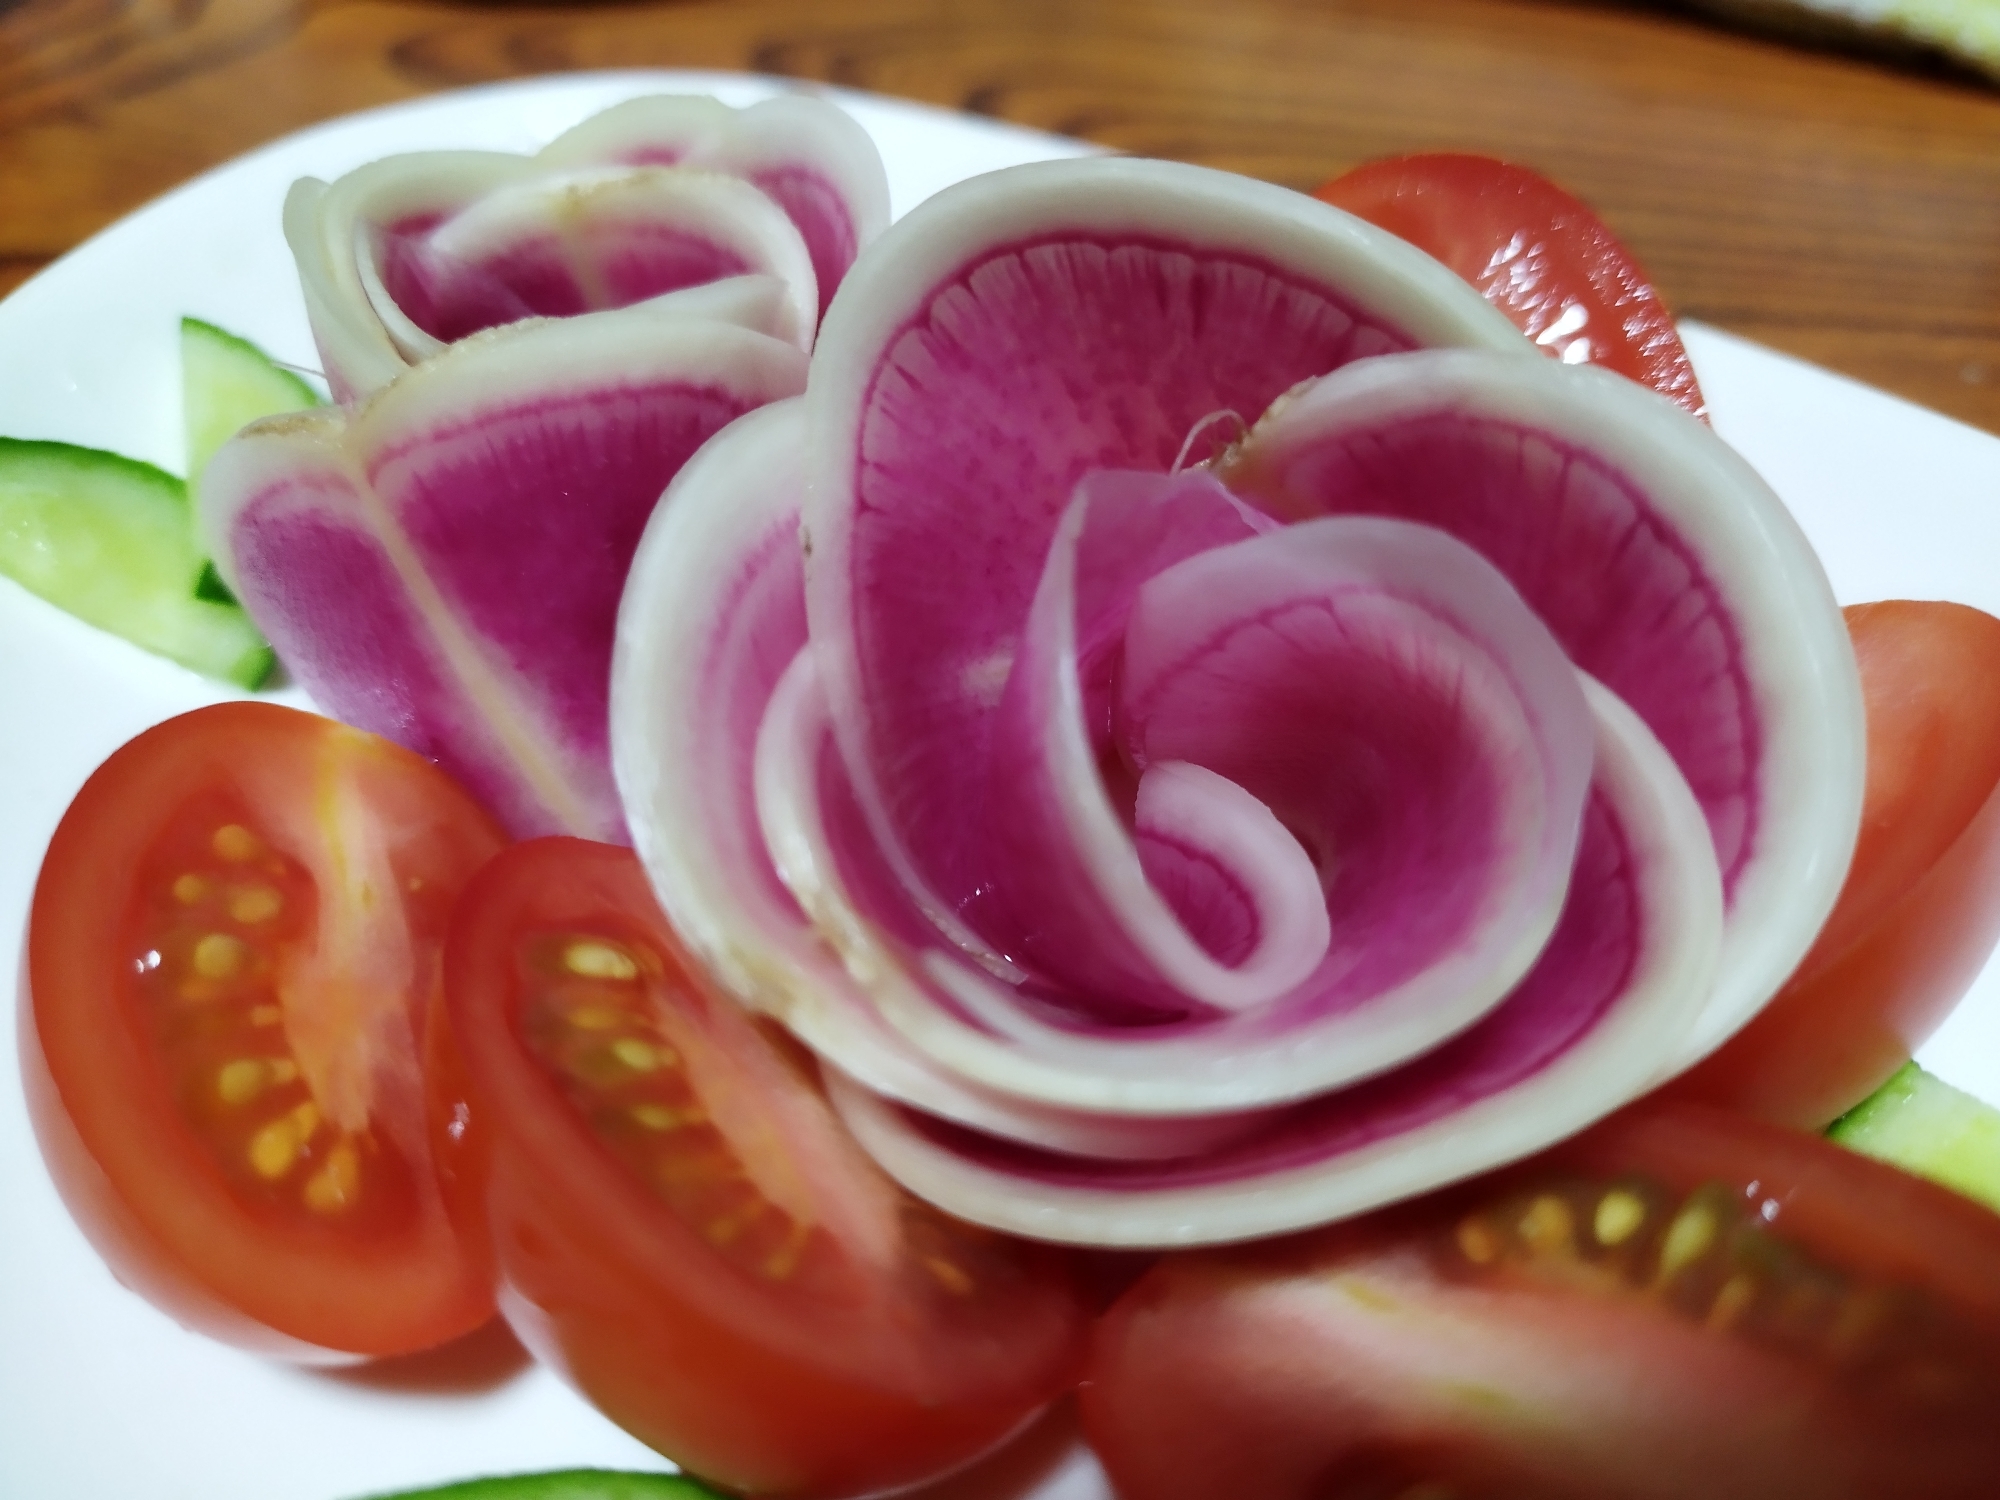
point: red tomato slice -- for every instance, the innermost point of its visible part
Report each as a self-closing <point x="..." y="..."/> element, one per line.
<point x="685" y="1230"/>
<point x="1683" y="1302"/>
<point x="1534" y="252"/>
<point x="235" y="941"/>
<point x="1920" y="911"/>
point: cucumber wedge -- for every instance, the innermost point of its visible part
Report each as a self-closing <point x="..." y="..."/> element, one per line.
<point x="111" y="540"/>
<point x="227" y="383"/>
<point x="1925" y="1126"/>
<point x="568" y="1484"/>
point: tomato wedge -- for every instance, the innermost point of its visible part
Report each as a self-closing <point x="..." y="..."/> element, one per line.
<point x="234" y="944"/>
<point x="685" y="1230"/>
<point x="1920" y="911"/>
<point x="1682" y="1302"/>
<point x="1534" y="252"/>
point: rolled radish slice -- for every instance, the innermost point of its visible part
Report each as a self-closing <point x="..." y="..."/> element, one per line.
<point x="442" y="564"/>
<point x="809" y="155"/>
<point x="1006" y="337"/>
<point x="1368" y="691"/>
<point x="326" y="227"/>
<point x="564" y="243"/>
<point x="1665" y="567"/>
<point x="1629" y="965"/>
<point x="410" y="252"/>
<point x="1383" y="686"/>
<point x="712" y="620"/>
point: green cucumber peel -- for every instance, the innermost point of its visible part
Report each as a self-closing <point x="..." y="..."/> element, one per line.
<point x="567" y="1484"/>
<point x="227" y="383"/>
<point x="1922" y="1124"/>
<point x="111" y="540"/>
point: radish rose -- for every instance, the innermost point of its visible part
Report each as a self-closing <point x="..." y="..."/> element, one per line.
<point x="1204" y="732"/>
<point x="662" y="205"/>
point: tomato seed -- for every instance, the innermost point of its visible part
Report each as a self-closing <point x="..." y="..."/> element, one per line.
<point x="277" y="1147"/>
<point x="189" y="889"/>
<point x="949" y="1275"/>
<point x="1477" y="1241"/>
<point x="241" y="1080"/>
<point x="1619" y="1215"/>
<point x="1688" y="1239"/>
<point x="219" y="956"/>
<point x="783" y="1261"/>
<point x="599" y="960"/>
<point x="255" y="903"/>
<point x="1730" y="1304"/>
<point x="333" y="1186"/>
<point x="640" y="1057"/>
<point x="235" y="843"/>
<point x="1548" y="1227"/>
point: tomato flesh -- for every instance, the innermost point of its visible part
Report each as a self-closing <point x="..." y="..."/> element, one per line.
<point x="1920" y="911"/>
<point x="684" y="1229"/>
<point x="235" y="941"/>
<point x="1683" y="1302"/>
<point x="1533" y="251"/>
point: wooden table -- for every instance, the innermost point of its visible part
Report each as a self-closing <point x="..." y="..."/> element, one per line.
<point x="1842" y="211"/>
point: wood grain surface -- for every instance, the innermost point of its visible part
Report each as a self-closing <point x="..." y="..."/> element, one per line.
<point x="1844" y="211"/>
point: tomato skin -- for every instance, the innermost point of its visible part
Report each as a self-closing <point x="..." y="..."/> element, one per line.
<point x="1487" y="1346"/>
<point x="1534" y="252"/>
<point x="1920" y="912"/>
<point x="145" y="1186"/>
<point x="848" y="1377"/>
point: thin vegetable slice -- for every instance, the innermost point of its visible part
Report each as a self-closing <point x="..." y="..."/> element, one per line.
<point x="1623" y="975"/>
<point x="1666" y="568"/>
<point x="443" y="564"/>
<point x="566" y="1484"/>
<point x="632" y="209"/>
<point x="557" y="245"/>
<point x="711" y="629"/>
<point x="1070" y="316"/>
<point x="226" y="384"/>
<point x="812" y="158"/>
<point x="1922" y="1124"/>
<point x="112" y="541"/>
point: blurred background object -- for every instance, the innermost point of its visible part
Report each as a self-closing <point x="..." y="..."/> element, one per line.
<point x="1966" y="32"/>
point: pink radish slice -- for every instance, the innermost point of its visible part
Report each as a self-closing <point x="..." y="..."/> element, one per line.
<point x="1627" y="969"/>
<point x="712" y="617"/>
<point x="1666" y="568"/>
<point x="559" y="244"/>
<point x="1010" y="335"/>
<point x="326" y="229"/>
<point x="1379" y="687"/>
<point x="1029" y="1043"/>
<point x="443" y="564"/>
<point x="811" y="157"/>
<point x="474" y="239"/>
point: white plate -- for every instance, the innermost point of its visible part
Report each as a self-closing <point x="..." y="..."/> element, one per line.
<point x="100" y="1395"/>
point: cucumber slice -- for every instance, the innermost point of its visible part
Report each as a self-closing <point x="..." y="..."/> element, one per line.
<point x="568" y="1484"/>
<point x="227" y="383"/>
<point x="110" y="540"/>
<point x="1923" y="1125"/>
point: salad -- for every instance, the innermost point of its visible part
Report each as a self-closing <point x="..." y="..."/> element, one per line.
<point x="611" y="965"/>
